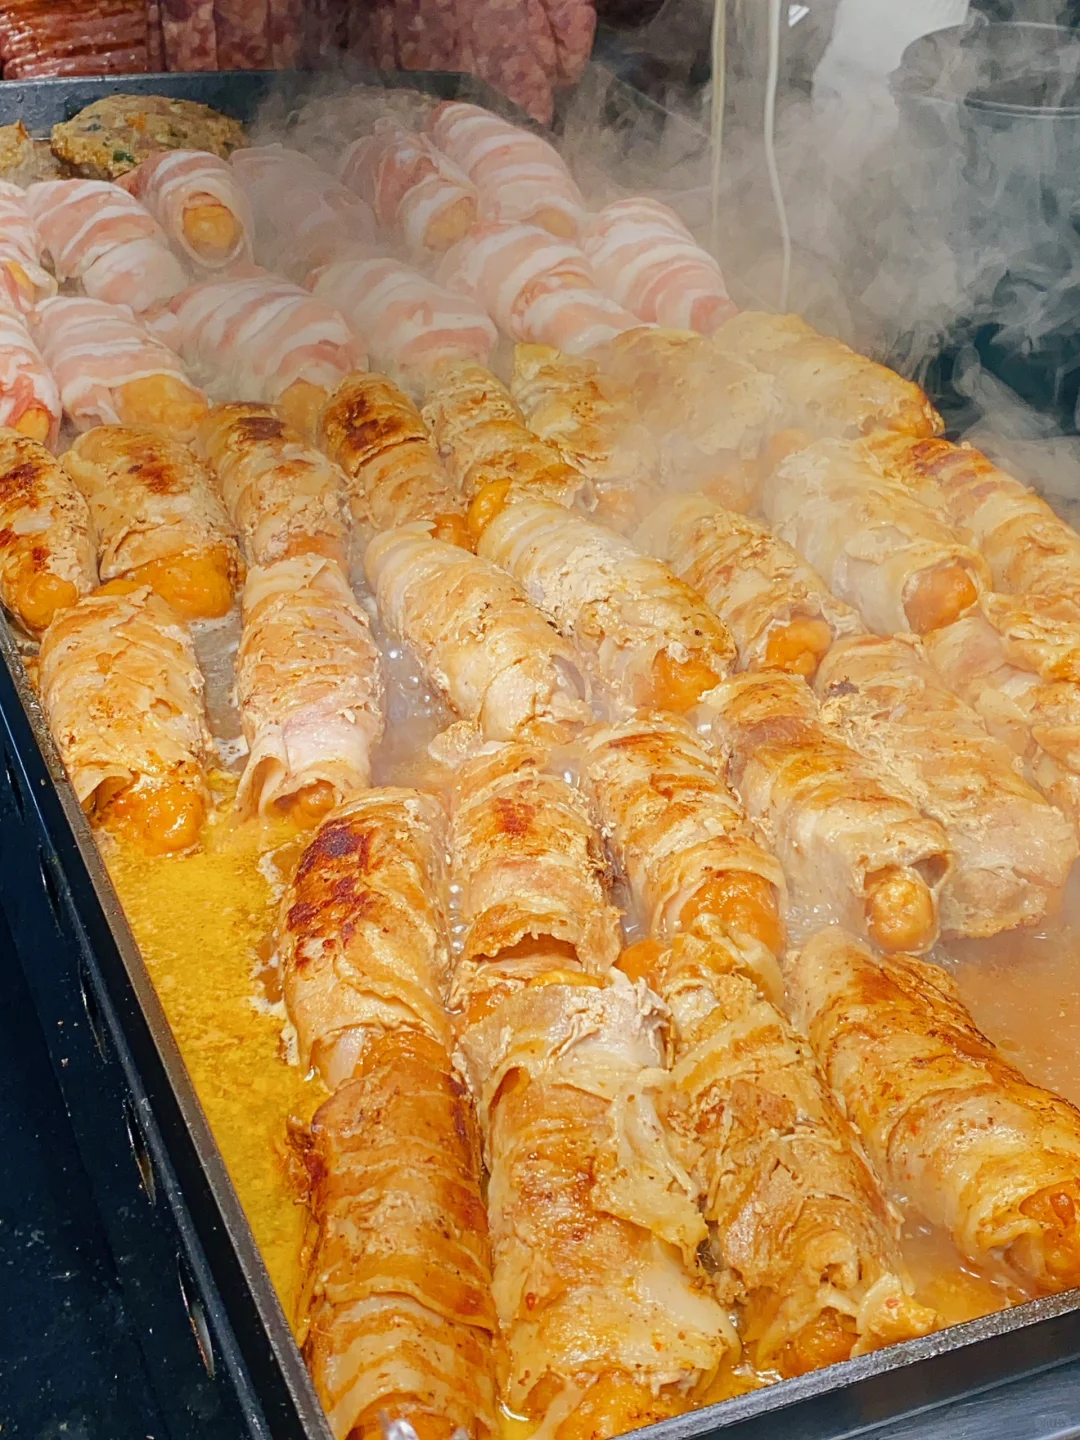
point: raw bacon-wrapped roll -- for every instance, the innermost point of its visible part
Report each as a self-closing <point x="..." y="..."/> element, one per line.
<point x="852" y="844"/>
<point x="394" y="474"/>
<point x="519" y="177"/>
<point x="265" y="340"/>
<point x="157" y="518"/>
<point x="47" y="557"/>
<point x="413" y="188"/>
<point x="29" y="397"/>
<point x="875" y="546"/>
<point x="309" y="689"/>
<point x="20" y="249"/>
<point x="98" y="234"/>
<point x="532" y="878"/>
<point x="195" y="198"/>
<point x="1013" y="851"/>
<point x="361" y="932"/>
<point x="410" y="323"/>
<point x="284" y="497"/>
<point x="647" y="260"/>
<point x="805" y="1241"/>
<point x="945" y="1117"/>
<point x="491" y="653"/>
<point x="111" y="370"/>
<point x="648" y="638"/>
<point x="124" y="699"/>
<point x="823" y="385"/>
<point x="778" y="609"/>
<point x="400" y="1320"/>
<point x="680" y="835"/>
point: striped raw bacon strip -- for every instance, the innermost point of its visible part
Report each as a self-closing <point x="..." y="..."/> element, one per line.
<point x="20" y="248"/>
<point x="29" y="398"/>
<point x="519" y="176"/>
<point x="98" y="234"/>
<point x="646" y="259"/>
<point x="198" y="202"/>
<point x="411" y="323"/>
<point x="411" y="185"/>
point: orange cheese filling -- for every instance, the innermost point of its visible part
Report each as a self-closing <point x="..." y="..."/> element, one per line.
<point x="310" y="803"/>
<point x="939" y="596"/>
<point x="677" y="685"/>
<point x="163" y="818"/>
<point x="35" y="423"/>
<point x="555" y="222"/>
<point x="743" y="903"/>
<point x="198" y="585"/>
<point x="211" y="228"/>
<point x="798" y="647"/>
<point x="453" y="529"/>
<point x="162" y="402"/>
<point x="900" y="909"/>
<point x="488" y="502"/>
<point x="612" y="1405"/>
<point x="826" y="1340"/>
<point x="301" y="405"/>
<point x="640" y="960"/>
<point x="452" y="225"/>
<point x="38" y="597"/>
<point x="1057" y="1212"/>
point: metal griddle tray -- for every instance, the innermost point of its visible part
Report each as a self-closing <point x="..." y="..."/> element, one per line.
<point x="217" y="1345"/>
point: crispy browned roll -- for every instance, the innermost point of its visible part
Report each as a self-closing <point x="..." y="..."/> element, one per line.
<point x="376" y="434"/>
<point x="283" y="495"/>
<point x="533" y="883"/>
<point x="124" y="699"/>
<point x="680" y="834"/>
<point x="47" y="553"/>
<point x="805" y="1241"/>
<point x="361" y="930"/>
<point x="951" y="1124"/>
<point x="852" y="844"/>
<point x="649" y="639"/>
<point x="607" y="1318"/>
<point x="399" y="1316"/>
<point x="780" y="612"/>
<point x="821" y="383"/>
<point x="158" y="519"/>
<point x="1013" y="851"/>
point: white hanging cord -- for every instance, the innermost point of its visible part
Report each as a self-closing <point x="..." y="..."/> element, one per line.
<point x="716" y="115"/>
<point x="776" y="9"/>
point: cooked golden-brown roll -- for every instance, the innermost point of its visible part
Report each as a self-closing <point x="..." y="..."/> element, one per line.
<point x="124" y="699"/>
<point x="649" y="639"/>
<point x="490" y="652"/>
<point x="852" y="844"/>
<point x="952" y="1125"/>
<point x="399" y="1315"/>
<point x="822" y="384"/>
<point x="490" y="451"/>
<point x="680" y="834"/>
<point x="158" y="520"/>
<point x="532" y="880"/>
<point x="780" y="612"/>
<point x="805" y="1241"/>
<point x="47" y="552"/>
<point x="284" y="496"/>
<point x="1013" y="852"/>
<point x="308" y="687"/>
<point x="376" y="434"/>
<point x="607" y="1318"/>
<point x="361" y="931"/>
<point x="875" y="545"/>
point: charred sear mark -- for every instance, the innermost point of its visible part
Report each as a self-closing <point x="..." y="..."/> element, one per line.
<point x="514" y="817"/>
<point x="255" y="429"/>
<point x="20" y="482"/>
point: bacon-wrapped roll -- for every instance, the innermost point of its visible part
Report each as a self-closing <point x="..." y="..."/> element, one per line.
<point x="1013" y="851"/>
<point x="779" y="610"/>
<point x="413" y="188"/>
<point x="608" y="1321"/>
<point x="533" y="882"/>
<point x="124" y="699"/>
<point x="157" y="518"/>
<point x="411" y="324"/>
<point x="823" y="385"/>
<point x="647" y="260"/>
<point x="361" y="931"/>
<point x="518" y="176"/>
<point x="487" y="446"/>
<point x="284" y="496"/>
<point x="400" y="1318"/>
<point x="98" y="234"/>
<point x="20" y="249"/>
<point x="195" y="198"/>
<point x="649" y="639"/>
<point x="490" y="652"/>
<point x="874" y="544"/>
<point x="47" y="555"/>
<point x="309" y="689"/>
<point x="804" y="1238"/>
<point x="375" y="433"/>
<point x="946" y="1119"/>
<point x="265" y="340"/>
<point x="111" y="370"/>
<point x="852" y="844"/>
<point x="29" y="397"/>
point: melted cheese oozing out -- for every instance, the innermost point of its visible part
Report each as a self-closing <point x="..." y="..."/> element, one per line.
<point x="212" y="230"/>
<point x="161" y="401"/>
<point x="197" y="586"/>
